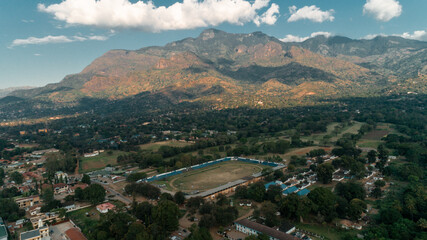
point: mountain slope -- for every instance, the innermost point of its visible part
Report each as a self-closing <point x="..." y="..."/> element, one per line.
<point x="231" y="70"/>
<point x="389" y="55"/>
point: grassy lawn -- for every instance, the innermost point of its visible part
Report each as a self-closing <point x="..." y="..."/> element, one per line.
<point x="99" y="162"/>
<point x="318" y="138"/>
<point x="330" y="232"/>
<point x="369" y="143"/>
<point x="85" y="222"/>
<point x="156" y="145"/>
<point x="210" y="177"/>
<point x="242" y="210"/>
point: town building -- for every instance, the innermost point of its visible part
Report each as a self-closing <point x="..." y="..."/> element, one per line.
<point x="45" y="218"/>
<point x="36" y="234"/>
<point x="60" y="188"/>
<point x="27" y="202"/>
<point x="105" y="207"/>
<point x="74" y="234"/>
<point x="252" y="228"/>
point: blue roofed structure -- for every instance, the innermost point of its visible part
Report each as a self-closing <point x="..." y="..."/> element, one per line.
<point x="267" y="185"/>
<point x="303" y="192"/>
<point x="283" y="186"/>
<point x="290" y="190"/>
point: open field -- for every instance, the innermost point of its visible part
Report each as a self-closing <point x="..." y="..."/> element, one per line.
<point x="211" y="177"/>
<point x="327" y="231"/>
<point x="98" y="162"/>
<point x="373" y="138"/>
<point x="330" y="137"/>
<point x="156" y="145"/>
<point x="303" y="151"/>
<point x="85" y="222"/>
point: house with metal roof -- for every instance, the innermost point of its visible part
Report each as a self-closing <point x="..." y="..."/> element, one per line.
<point x="36" y="234"/>
<point x="290" y="190"/>
<point x="303" y="192"/>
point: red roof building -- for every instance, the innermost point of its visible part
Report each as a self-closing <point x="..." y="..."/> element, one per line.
<point x="105" y="207"/>
<point x="75" y="234"/>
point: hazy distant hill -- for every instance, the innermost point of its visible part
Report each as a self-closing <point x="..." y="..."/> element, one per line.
<point x="5" y="91"/>
<point x="230" y="70"/>
<point x="389" y="55"/>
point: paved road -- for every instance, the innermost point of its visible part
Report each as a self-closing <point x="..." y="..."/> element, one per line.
<point x="117" y="195"/>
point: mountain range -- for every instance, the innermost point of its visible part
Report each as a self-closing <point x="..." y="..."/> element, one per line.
<point x="230" y="70"/>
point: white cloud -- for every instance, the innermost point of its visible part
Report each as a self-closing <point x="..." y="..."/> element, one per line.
<point x="420" y="35"/>
<point x="144" y="15"/>
<point x="416" y="35"/>
<point x="293" y="38"/>
<point x="383" y="10"/>
<point x="311" y="13"/>
<point x="269" y="17"/>
<point x="54" y="39"/>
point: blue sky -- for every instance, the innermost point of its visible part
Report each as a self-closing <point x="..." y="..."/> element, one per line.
<point x="42" y="41"/>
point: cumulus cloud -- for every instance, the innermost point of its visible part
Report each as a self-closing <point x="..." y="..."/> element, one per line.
<point x="311" y="13"/>
<point x="144" y="15"/>
<point x="54" y="39"/>
<point x="269" y="17"/>
<point x="420" y="35"/>
<point x="382" y="10"/>
<point x="293" y="38"/>
<point x="416" y="35"/>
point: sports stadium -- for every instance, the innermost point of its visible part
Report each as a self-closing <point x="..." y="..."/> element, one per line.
<point x="215" y="177"/>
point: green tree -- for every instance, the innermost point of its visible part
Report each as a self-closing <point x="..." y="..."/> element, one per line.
<point x="86" y="179"/>
<point x="376" y="192"/>
<point x="133" y="177"/>
<point x="17" y="177"/>
<point x="179" y="198"/>
<point x="324" y="173"/>
<point x="372" y="156"/>
<point x="356" y="208"/>
<point x="78" y="194"/>
<point x="350" y="190"/>
<point x="325" y="202"/>
<point x="295" y="207"/>
<point x="95" y="193"/>
<point x="199" y="233"/>
<point x="241" y="192"/>
<point x="166" y="215"/>
<point x="256" y="192"/>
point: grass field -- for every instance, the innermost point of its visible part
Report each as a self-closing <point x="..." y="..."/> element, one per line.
<point x="99" y="162"/>
<point x="156" y="145"/>
<point x="319" y="138"/>
<point x="85" y="222"/>
<point x="373" y="138"/>
<point x="329" y="232"/>
<point x="211" y="177"/>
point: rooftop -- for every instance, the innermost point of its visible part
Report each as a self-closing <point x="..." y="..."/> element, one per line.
<point x="30" y="234"/>
<point x="220" y="188"/>
<point x="266" y="230"/>
<point x="75" y="234"/>
<point x="3" y="231"/>
<point x="105" y="206"/>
